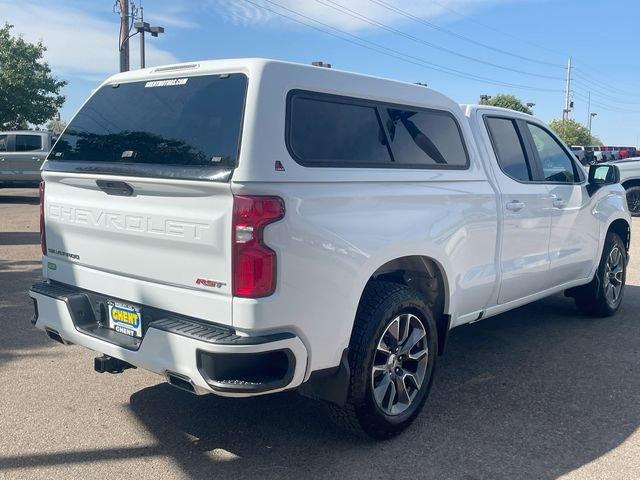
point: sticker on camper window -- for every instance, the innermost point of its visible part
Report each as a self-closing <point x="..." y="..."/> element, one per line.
<point x="166" y="83"/>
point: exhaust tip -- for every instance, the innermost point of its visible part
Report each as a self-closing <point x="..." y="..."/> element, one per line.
<point x="180" y="381"/>
<point x="54" y="335"/>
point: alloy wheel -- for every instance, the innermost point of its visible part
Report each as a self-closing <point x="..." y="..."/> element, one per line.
<point x="614" y="276"/>
<point x="400" y="364"/>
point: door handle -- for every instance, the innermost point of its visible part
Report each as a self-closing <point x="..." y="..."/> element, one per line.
<point x="559" y="202"/>
<point x="1" y="159"/>
<point x="35" y="158"/>
<point x="514" y="206"/>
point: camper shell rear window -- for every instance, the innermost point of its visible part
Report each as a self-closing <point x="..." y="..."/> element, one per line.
<point x="191" y="121"/>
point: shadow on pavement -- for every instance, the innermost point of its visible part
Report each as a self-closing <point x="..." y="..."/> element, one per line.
<point x="19" y="238"/>
<point x="16" y="308"/>
<point x="534" y="393"/>
<point x="20" y="199"/>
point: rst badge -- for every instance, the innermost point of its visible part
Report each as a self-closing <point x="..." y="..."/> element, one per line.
<point x="205" y="282"/>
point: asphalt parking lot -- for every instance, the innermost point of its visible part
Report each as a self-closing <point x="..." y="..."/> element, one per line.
<point x="541" y="392"/>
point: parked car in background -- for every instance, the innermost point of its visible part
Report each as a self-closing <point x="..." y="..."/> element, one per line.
<point x="21" y="156"/>
<point x="598" y="154"/>
<point x="289" y="227"/>
<point x="610" y="153"/>
<point x="627" y="152"/>
<point x="583" y="155"/>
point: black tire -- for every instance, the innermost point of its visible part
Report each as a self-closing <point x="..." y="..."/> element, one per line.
<point x="595" y="299"/>
<point x="382" y="304"/>
<point x="633" y="201"/>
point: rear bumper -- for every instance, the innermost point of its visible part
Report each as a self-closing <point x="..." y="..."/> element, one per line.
<point x="215" y="359"/>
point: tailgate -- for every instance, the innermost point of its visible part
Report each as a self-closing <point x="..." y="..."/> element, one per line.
<point x="137" y="201"/>
<point x="167" y="245"/>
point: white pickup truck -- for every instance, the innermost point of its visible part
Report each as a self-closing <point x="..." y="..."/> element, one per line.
<point x="630" y="180"/>
<point x="250" y="226"/>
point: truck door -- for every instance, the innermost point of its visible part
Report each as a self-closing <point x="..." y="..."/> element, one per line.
<point x="575" y="231"/>
<point x="526" y="208"/>
<point x="4" y="164"/>
<point x="27" y="157"/>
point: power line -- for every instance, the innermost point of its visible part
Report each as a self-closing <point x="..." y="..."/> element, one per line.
<point x="577" y="71"/>
<point x="389" y="51"/>
<point x="605" y="96"/>
<point x="606" y="106"/>
<point x="355" y="14"/>
<point x="489" y="27"/>
<point x="406" y="14"/>
<point x="590" y="79"/>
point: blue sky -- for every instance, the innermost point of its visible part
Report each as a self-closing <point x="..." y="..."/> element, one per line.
<point x="526" y="41"/>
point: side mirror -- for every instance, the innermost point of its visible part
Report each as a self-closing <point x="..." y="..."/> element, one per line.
<point x="603" y="174"/>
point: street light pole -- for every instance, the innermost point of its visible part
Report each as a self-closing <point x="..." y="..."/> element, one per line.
<point x="141" y="28"/>
<point x="591" y="115"/>
<point x="142" y="62"/>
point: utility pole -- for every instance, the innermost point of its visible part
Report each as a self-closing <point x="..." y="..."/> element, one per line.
<point x="124" y="35"/>
<point x="567" y="94"/>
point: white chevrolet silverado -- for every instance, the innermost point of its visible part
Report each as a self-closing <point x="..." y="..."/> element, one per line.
<point x="250" y="226"/>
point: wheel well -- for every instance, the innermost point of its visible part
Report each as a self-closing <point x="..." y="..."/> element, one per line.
<point x="631" y="183"/>
<point x="427" y="277"/>
<point x="621" y="227"/>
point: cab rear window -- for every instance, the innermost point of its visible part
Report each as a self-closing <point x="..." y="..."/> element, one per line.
<point x="190" y="121"/>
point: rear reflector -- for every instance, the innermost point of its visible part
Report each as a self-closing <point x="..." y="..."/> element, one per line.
<point x="254" y="263"/>
<point x="43" y="233"/>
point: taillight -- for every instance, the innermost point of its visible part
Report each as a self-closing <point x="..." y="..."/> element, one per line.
<point x="43" y="233"/>
<point x="254" y="263"/>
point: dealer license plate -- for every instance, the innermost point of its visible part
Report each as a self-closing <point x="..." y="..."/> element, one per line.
<point x="125" y="318"/>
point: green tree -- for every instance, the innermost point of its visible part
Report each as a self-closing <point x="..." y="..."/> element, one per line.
<point x="29" y="94"/>
<point x="507" y="101"/>
<point x="573" y="133"/>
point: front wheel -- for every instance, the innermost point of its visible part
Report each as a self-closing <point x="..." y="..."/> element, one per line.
<point x="392" y="357"/>
<point x="603" y="296"/>
<point x="633" y="201"/>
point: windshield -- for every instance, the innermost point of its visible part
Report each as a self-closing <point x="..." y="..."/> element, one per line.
<point x="192" y="121"/>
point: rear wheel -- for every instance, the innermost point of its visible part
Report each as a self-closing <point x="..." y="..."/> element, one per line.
<point x="603" y="296"/>
<point x="633" y="200"/>
<point x="392" y="358"/>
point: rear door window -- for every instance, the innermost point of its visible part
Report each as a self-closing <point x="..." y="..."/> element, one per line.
<point x="4" y="143"/>
<point x="555" y="162"/>
<point x="425" y="138"/>
<point x="28" y="143"/>
<point x="190" y="121"/>
<point x="335" y="133"/>
<point x="509" y="148"/>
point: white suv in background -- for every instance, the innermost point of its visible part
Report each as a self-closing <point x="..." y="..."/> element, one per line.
<point x="250" y="226"/>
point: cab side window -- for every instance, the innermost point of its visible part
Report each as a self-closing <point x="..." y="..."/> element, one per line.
<point x="509" y="148"/>
<point x="556" y="164"/>
<point x="28" y="143"/>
